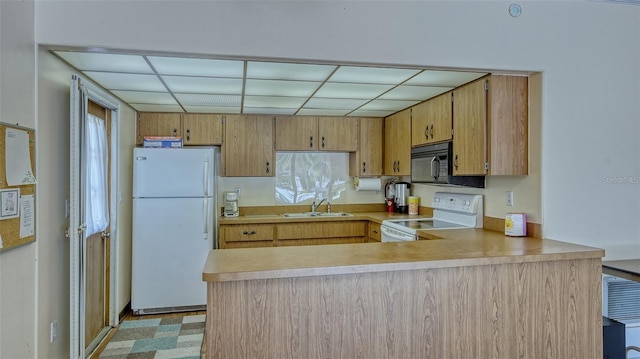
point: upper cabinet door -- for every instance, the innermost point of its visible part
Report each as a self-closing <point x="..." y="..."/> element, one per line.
<point x="158" y="124"/>
<point x="202" y="129"/>
<point x="296" y="133"/>
<point x="440" y="114"/>
<point x="248" y="146"/>
<point x="367" y="161"/>
<point x="338" y="134"/>
<point x="397" y="144"/>
<point x="470" y="129"/>
<point x="431" y="121"/>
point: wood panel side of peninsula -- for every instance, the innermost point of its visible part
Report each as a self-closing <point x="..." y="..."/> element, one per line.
<point x="540" y="302"/>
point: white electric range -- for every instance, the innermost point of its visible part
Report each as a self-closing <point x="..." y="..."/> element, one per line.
<point x="450" y="210"/>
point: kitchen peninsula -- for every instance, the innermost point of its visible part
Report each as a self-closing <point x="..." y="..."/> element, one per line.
<point x="476" y="294"/>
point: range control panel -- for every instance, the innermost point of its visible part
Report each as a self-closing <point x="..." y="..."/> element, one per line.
<point x="458" y="202"/>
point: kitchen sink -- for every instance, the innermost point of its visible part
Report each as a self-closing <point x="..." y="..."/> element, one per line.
<point x="316" y="214"/>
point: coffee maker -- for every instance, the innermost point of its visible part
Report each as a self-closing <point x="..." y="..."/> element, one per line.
<point x="402" y="197"/>
<point x="231" y="204"/>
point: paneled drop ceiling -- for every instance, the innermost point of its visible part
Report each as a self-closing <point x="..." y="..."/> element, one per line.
<point x="200" y="85"/>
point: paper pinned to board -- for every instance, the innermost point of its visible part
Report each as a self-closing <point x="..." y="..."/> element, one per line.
<point x="17" y="158"/>
<point x="26" y="216"/>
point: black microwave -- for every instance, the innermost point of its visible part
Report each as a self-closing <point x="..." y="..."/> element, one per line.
<point x="434" y="164"/>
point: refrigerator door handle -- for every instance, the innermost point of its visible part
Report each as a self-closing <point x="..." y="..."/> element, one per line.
<point x="205" y="212"/>
<point x="205" y="177"/>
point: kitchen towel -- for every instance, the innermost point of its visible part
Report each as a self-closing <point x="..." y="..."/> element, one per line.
<point x="367" y="184"/>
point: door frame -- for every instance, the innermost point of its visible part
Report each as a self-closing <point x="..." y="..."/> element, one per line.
<point x="81" y="92"/>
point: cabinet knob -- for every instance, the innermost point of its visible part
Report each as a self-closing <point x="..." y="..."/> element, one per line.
<point x="426" y="132"/>
<point x="455" y="162"/>
<point x="431" y="132"/>
<point x="375" y="231"/>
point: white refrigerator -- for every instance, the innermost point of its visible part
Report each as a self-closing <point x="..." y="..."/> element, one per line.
<point x="174" y="227"/>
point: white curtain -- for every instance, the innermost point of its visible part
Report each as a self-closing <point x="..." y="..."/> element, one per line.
<point x="95" y="162"/>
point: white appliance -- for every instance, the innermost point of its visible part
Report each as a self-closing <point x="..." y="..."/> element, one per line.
<point x="450" y="210"/>
<point x="231" y="204"/>
<point x="174" y="227"/>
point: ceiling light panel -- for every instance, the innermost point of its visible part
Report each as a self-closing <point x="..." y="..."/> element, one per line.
<point x="210" y="85"/>
<point x="160" y="98"/>
<point x="280" y="88"/>
<point x="197" y="67"/>
<point x="371" y="113"/>
<point x="131" y="82"/>
<point x="371" y="75"/>
<point x="288" y="71"/>
<point x="321" y="112"/>
<point x="391" y="105"/>
<point x="212" y="109"/>
<point x="92" y="61"/>
<point x="334" y="103"/>
<point x="270" y="110"/>
<point x="274" y="101"/>
<point x="209" y="100"/>
<point x="443" y="78"/>
<point x="419" y="93"/>
<point x="354" y="91"/>
<point x="145" y="107"/>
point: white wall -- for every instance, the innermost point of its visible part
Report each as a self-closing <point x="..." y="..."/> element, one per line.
<point x="54" y="79"/>
<point x="18" y="275"/>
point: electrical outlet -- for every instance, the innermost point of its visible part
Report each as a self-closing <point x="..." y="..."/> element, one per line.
<point x="509" y="198"/>
<point x="54" y="331"/>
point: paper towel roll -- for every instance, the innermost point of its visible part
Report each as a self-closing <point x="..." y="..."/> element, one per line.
<point x="367" y="184"/>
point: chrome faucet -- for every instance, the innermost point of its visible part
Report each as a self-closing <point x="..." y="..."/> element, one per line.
<point x="315" y="206"/>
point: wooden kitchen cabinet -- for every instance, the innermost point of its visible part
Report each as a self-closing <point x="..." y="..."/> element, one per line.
<point x="338" y="134"/>
<point x="296" y="133"/>
<point x="200" y="129"/>
<point x="432" y="120"/>
<point x="246" y="235"/>
<point x="158" y="124"/>
<point x="397" y="144"/>
<point x="248" y="147"/>
<point x="367" y="160"/>
<point x="311" y="133"/>
<point x="374" y="234"/>
<point x="298" y="234"/>
<point x="490" y="126"/>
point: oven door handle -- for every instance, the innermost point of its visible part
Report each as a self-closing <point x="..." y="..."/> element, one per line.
<point x="391" y="235"/>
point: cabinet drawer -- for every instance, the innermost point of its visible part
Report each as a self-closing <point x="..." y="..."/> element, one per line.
<point x="374" y="232"/>
<point x="247" y="232"/>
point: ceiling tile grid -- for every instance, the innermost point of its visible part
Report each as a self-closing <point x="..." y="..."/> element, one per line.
<point x="200" y="85"/>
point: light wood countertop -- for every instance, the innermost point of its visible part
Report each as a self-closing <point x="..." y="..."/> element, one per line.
<point x="462" y="247"/>
<point x="628" y="269"/>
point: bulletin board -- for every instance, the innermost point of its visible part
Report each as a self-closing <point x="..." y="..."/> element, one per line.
<point x="10" y="227"/>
